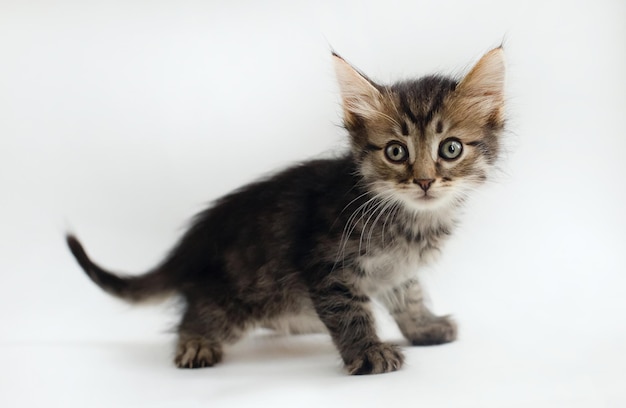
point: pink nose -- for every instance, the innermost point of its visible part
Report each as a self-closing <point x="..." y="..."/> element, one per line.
<point x="424" y="183"/>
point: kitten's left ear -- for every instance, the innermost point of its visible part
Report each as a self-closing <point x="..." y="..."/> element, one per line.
<point x="486" y="77"/>
<point x="361" y="99"/>
<point x="484" y="84"/>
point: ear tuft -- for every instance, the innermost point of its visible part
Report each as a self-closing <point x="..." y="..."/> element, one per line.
<point x="360" y="97"/>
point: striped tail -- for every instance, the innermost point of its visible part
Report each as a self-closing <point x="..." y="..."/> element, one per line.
<point x="156" y="283"/>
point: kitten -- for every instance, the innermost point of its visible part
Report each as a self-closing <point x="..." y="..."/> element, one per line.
<point x="309" y="248"/>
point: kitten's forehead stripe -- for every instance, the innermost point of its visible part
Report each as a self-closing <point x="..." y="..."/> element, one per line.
<point x="404" y="105"/>
<point x="439" y="128"/>
<point x="421" y="99"/>
<point x="405" y="129"/>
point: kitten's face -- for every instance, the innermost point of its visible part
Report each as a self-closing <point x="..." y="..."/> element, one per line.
<point x="425" y="143"/>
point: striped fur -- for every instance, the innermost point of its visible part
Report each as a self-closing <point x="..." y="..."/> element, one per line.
<point x="309" y="248"/>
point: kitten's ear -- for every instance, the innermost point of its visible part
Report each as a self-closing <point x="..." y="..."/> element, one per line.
<point x="484" y="84"/>
<point x="361" y="99"/>
<point x="486" y="77"/>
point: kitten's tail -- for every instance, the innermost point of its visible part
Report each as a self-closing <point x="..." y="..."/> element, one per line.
<point x="151" y="285"/>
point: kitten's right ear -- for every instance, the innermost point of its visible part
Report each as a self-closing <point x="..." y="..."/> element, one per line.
<point x="361" y="99"/>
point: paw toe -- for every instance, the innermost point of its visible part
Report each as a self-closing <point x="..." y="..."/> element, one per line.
<point x="440" y="331"/>
<point x="197" y="354"/>
<point x="377" y="359"/>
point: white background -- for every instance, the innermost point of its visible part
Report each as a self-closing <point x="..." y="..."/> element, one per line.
<point x="121" y="119"/>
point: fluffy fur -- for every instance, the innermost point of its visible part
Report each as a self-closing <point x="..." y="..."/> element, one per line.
<point x="309" y="248"/>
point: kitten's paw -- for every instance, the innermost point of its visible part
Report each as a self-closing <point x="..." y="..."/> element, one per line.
<point x="197" y="353"/>
<point x="377" y="359"/>
<point x="437" y="331"/>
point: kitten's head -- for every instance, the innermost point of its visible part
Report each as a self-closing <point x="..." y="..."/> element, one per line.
<point x="426" y="142"/>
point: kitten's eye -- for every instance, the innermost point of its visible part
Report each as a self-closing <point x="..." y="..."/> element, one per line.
<point x="396" y="152"/>
<point x="450" y="149"/>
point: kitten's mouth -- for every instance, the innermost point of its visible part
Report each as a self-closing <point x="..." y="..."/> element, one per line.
<point x="426" y="197"/>
<point x="426" y="200"/>
<point x="422" y="200"/>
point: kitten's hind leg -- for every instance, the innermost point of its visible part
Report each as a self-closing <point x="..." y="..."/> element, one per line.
<point x="418" y="324"/>
<point x="201" y="334"/>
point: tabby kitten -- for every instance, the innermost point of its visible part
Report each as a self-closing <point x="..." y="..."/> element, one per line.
<point x="309" y="248"/>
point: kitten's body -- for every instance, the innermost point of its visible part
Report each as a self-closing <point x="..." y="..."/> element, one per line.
<point x="308" y="248"/>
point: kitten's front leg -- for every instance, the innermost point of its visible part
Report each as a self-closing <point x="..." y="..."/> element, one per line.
<point x="418" y="324"/>
<point x="346" y="313"/>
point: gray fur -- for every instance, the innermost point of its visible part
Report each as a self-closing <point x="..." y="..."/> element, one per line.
<point x="309" y="248"/>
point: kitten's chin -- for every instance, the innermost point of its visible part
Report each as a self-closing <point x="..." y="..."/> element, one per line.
<point x="425" y="202"/>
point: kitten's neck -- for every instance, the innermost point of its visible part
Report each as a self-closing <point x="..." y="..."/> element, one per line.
<point x="442" y="220"/>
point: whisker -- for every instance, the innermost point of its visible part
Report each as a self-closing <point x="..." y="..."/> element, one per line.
<point x="349" y="228"/>
<point x="394" y="208"/>
<point x="373" y="212"/>
<point x="367" y="209"/>
<point x="389" y="118"/>
<point x="389" y="201"/>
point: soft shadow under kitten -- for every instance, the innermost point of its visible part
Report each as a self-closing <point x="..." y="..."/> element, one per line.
<point x="309" y="248"/>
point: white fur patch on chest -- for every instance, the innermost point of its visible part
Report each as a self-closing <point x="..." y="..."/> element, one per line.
<point x="387" y="269"/>
<point x="394" y="264"/>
